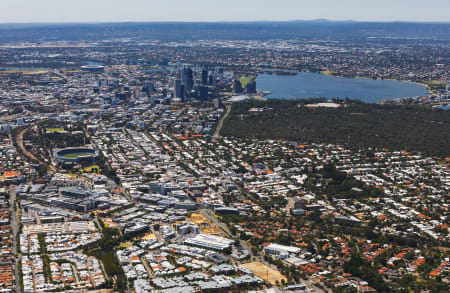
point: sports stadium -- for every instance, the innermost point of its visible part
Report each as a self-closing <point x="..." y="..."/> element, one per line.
<point x="75" y="155"/>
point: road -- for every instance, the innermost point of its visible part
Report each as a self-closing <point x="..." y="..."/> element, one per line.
<point x="214" y="220"/>
<point x="219" y="126"/>
<point x="15" y="231"/>
<point x="15" y="116"/>
<point x="75" y="273"/>
<point x="207" y="213"/>
<point x="147" y="267"/>
<point x="19" y="140"/>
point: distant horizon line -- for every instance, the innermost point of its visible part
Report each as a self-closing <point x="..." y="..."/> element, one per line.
<point x="318" y="20"/>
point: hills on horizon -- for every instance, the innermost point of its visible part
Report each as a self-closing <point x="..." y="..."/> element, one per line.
<point x="252" y="30"/>
<point x="317" y="20"/>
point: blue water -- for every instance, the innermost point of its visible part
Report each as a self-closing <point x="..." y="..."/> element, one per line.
<point x="92" y="63"/>
<point x="444" y="107"/>
<point x="314" y="85"/>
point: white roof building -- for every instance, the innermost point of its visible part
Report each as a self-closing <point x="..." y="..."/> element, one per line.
<point x="210" y="241"/>
<point x="278" y="249"/>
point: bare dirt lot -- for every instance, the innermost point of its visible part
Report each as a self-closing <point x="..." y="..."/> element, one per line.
<point x="264" y="272"/>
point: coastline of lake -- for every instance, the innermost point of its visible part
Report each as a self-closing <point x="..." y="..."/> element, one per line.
<point x="316" y="85"/>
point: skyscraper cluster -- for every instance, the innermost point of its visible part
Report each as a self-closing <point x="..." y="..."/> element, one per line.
<point x="185" y="85"/>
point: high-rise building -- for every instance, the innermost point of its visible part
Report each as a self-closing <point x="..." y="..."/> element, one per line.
<point x="147" y="87"/>
<point x="251" y="87"/>
<point x="205" y="76"/>
<point x="238" y="86"/>
<point x="187" y="78"/>
<point x="182" y="92"/>
<point x="217" y="103"/>
<point x="177" y="89"/>
<point x="203" y="96"/>
<point x="211" y="80"/>
<point x="219" y="70"/>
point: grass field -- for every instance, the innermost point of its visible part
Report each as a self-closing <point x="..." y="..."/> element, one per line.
<point x="24" y="71"/>
<point x="89" y="169"/>
<point x="52" y="130"/>
<point x="245" y="79"/>
<point x="437" y="83"/>
<point x="76" y="155"/>
<point x="435" y="86"/>
<point x="327" y="72"/>
<point x="125" y="244"/>
<point x="264" y="272"/>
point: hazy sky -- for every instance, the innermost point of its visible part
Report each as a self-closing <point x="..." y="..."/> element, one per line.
<point x="221" y="10"/>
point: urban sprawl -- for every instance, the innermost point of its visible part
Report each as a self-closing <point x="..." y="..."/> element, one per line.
<point x="115" y="176"/>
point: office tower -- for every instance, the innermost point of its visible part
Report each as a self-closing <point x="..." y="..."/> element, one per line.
<point x="182" y="92"/>
<point x="217" y="103"/>
<point x="203" y="93"/>
<point x="187" y="78"/>
<point x="238" y="86"/>
<point x="219" y="70"/>
<point x="251" y="87"/>
<point x="147" y="87"/>
<point x="205" y="76"/>
<point x="177" y="88"/>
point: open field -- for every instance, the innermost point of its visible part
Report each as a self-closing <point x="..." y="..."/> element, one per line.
<point x="102" y="291"/>
<point x="245" y="80"/>
<point x="125" y="244"/>
<point x="24" y="71"/>
<point x="89" y="169"/>
<point x="110" y="224"/>
<point x="264" y="272"/>
<point x="199" y="219"/>
<point x="52" y="130"/>
<point x="77" y="155"/>
<point x="435" y="85"/>
<point x="327" y="72"/>
<point x="212" y="230"/>
<point x="149" y="236"/>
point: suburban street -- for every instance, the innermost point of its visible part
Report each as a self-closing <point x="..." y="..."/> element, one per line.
<point x="15" y="231"/>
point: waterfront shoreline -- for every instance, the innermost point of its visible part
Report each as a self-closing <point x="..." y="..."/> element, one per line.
<point x="307" y="84"/>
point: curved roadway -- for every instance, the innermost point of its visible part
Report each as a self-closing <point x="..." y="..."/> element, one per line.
<point x="19" y="140"/>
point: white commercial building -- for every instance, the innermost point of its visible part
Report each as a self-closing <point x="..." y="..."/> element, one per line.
<point x="277" y="249"/>
<point x="210" y="241"/>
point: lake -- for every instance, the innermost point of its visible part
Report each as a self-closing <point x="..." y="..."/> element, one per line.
<point x="314" y="85"/>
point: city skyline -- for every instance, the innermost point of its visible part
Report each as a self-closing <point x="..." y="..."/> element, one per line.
<point x="252" y="146"/>
<point x="50" y="11"/>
